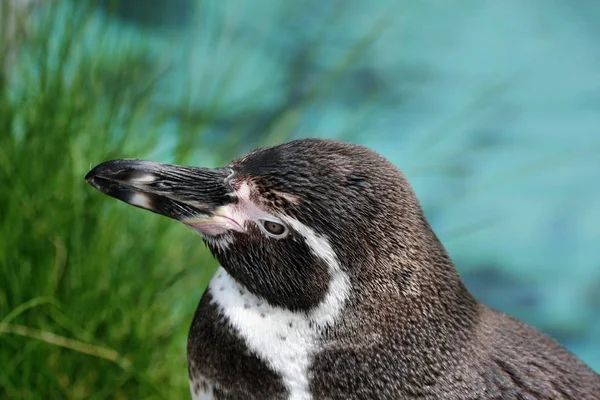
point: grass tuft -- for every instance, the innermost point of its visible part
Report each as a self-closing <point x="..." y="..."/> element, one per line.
<point x="90" y="293"/>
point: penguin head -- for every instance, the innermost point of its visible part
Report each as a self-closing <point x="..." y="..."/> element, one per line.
<point x="284" y="220"/>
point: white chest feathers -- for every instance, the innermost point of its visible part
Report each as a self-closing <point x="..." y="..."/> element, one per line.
<point x="283" y="339"/>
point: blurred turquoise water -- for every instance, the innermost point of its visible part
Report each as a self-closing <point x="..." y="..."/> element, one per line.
<point x="492" y="109"/>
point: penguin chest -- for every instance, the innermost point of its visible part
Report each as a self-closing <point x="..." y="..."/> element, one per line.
<point x="241" y="346"/>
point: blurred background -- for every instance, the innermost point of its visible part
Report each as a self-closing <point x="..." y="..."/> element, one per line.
<point x="491" y="108"/>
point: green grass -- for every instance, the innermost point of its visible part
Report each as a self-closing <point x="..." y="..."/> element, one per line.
<point x="95" y="297"/>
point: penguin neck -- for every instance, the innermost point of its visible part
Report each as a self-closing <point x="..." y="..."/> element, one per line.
<point x="411" y="284"/>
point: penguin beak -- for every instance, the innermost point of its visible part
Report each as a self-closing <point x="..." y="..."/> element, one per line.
<point x="178" y="192"/>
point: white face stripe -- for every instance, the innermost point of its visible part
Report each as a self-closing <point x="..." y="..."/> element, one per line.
<point x="285" y="340"/>
<point x="339" y="286"/>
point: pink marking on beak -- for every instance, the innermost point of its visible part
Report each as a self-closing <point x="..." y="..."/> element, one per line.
<point x="215" y="225"/>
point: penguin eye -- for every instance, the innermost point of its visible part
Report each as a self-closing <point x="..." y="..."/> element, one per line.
<point x="274" y="229"/>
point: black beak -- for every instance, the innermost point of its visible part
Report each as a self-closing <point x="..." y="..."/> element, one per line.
<point x="175" y="191"/>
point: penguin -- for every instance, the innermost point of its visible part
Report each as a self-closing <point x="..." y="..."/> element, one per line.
<point x="333" y="285"/>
